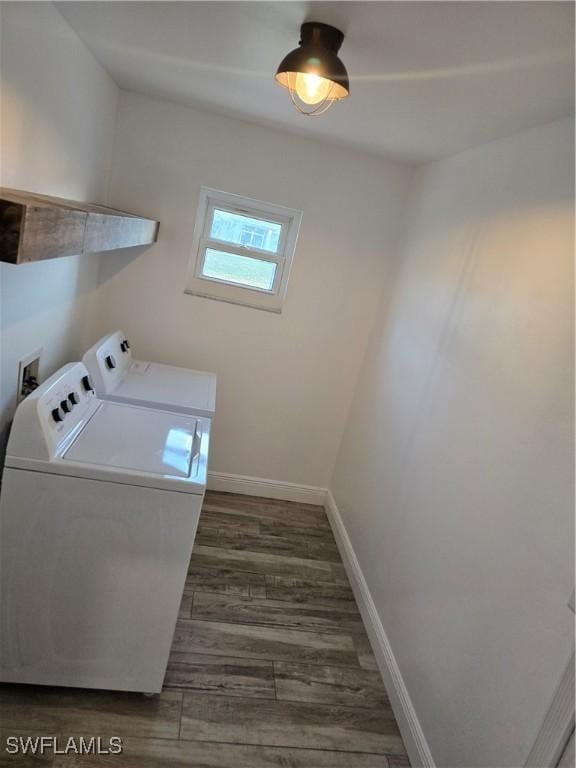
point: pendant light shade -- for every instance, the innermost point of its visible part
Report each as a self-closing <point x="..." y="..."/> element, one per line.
<point x="313" y="74"/>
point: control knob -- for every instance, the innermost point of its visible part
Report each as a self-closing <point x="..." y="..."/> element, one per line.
<point x="110" y="362"/>
<point x="57" y="415"/>
<point x="65" y="405"/>
<point x="87" y="384"/>
<point x="74" y="398"/>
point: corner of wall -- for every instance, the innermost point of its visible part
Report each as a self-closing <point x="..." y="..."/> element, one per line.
<point x="410" y="728"/>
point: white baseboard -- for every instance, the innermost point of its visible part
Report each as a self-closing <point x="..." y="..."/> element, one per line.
<point x="271" y="489"/>
<point x="412" y="733"/>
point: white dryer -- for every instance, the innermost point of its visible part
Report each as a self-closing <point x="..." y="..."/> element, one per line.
<point x="120" y="378"/>
<point x="98" y="513"/>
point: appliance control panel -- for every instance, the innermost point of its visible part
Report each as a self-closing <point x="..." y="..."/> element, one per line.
<point x="53" y="414"/>
<point x="108" y="362"/>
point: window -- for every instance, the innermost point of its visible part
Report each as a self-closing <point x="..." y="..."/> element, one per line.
<point x="242" y="251"/>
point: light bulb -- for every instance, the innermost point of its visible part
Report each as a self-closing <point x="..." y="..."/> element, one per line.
<point x="312" y="89"/>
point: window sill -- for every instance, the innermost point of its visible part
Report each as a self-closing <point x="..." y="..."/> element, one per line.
<point x="237" y="302"/>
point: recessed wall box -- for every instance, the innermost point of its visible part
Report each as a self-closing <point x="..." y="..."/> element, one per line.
<point x="28" y="374"/>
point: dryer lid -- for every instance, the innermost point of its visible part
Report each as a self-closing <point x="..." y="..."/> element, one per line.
<point x="131" y="438"/>
<point x="166" y="386"/>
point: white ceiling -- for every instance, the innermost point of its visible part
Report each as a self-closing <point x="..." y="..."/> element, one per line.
<point x="427" y="78"/>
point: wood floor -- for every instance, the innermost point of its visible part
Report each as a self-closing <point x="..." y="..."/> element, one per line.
<point x="270" y="665"/>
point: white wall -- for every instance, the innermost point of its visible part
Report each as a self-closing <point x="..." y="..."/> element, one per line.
<point x="285" y="381"/>
<point x="57" y="120"/>
<point x="455" y="477"/>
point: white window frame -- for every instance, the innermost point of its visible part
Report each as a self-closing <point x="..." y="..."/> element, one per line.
<point x="213" y="288"/>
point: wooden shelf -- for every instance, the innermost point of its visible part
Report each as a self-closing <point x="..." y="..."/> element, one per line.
<point x="36" y="227"/>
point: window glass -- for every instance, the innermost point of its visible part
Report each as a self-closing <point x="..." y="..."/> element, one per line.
<point x="242" y="250"/>
<point x="240" y="270"/>
<point x="243" y="230"/>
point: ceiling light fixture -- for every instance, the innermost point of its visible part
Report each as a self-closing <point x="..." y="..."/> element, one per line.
<point x="313" y="74"/>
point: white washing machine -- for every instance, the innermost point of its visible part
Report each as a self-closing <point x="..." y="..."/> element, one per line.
<point x="98" y="512"/>
<point x="120" y="378"/>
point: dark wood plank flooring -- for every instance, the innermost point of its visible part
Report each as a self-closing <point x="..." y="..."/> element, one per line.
<point x="270" y="666"/>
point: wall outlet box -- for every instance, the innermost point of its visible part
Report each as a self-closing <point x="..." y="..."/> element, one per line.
<point x="28" y="375"/>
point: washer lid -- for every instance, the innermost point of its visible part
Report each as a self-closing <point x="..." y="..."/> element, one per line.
<point x="126" y="437"/>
